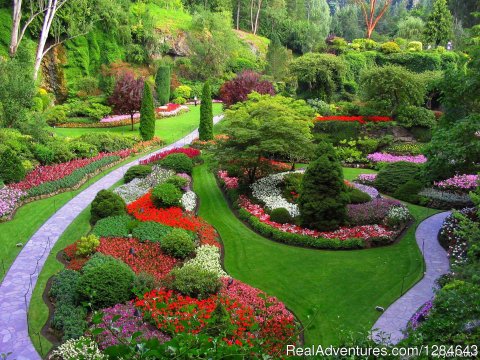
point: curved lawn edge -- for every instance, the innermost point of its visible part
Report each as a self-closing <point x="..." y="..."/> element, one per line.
<point x="391" y="325"/>
<point x="20" y="280"/>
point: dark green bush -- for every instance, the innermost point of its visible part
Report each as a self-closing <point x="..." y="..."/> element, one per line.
<point x="11" y="168"/>
<point x="61" y="152"/>
<point x="178" y="181"/>
<point x="82" y="149"/>
<point x="179" y="162"/>
<point x="151" y="231"/>
<point x="43" y="154"/>
<point x="55" y="115"/>
<point x="108" y="141"/>
<point x="393" y="175"/>
<point x="410" y="116"/>
<point x="194" y="281"/>
<point x="114" y="226"/>
<point x="137" y="171"/>
<point x="166" y="195"/>
<point x="409" y="191"/>
<point x="281" y="216"/>
<point x="338" y="130"/>
<point x="421" y="134"/>
<point x="144" y="282"/>
<point x="178" y="243"/>
<point x="357" y="197"/>
<point x="106" y="204"/>
<point x="106" y="283"/>
<point x="65" y="286"/>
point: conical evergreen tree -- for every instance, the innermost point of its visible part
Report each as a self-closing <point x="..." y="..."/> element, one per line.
<point x="162" y="82"/>
<point x="205" y="129"/>
<point x="277" y="59"/>
<point x="147" y="114"/>
<point x="439" y="28"/>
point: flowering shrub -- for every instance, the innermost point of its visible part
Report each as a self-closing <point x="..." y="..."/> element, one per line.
<point x="141" y="257"/>
<point x="82" y="348"/>
<point x="9" y="199"/>
<point x="420" y="315"/>
<point x="366" y="179"/>
<point x="208" y="258"/>
<point x="189" y="201"/>
<point x="121" y="322"/>
<point x="360" y="119"/>
<point x="190" y="152"/>
<point x="459" y="183"/>
<point x="230" y="182"/>
<point x="372" y="212"/>
<point x="389" y="158"/>
<point x="397" y="216"/>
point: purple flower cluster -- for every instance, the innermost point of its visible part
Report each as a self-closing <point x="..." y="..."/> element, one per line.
<point x="128" y="323"/>
<point x="389" y="158"/>
<point x="367" y="178"/>
<point x="370" y="190"/>
<point x="421" y="314"/>
<point x="459" y="183"/>
<point x="9" y="199"/>
<point x="372" y="212"/>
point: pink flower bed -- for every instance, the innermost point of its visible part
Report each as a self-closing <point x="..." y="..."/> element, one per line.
<point x="459" y="183"/>
<point x="230" y="182"/>
<point x="365" y="232"/>
<point x="190" y="152"/>
<point x="163" y="111"/>
<point x="9" y="199"/>
<point x="367" y="178"/>
<point x="389" y="158"/>
<point x="48" y="173"/>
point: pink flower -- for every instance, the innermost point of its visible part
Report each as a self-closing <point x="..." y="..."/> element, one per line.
<point x="459" y="183"/>
<point x="389" y="158"/>
<point x="230" y="182"/>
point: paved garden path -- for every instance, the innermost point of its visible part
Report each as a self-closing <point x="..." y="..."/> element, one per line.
<point x="18" y="284"/>
<point x="395" y="319"/>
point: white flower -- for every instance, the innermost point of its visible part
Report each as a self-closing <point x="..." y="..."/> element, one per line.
<point x="268" y="191"/>
<point x="189" y="200"/>
<point x="81" y="348"/>
<point x="208" y="258"/>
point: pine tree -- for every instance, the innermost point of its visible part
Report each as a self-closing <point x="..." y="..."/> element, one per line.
<point x="277" y="59"/>
<point x="205" y="129"/>
<point x="439" y="28"/>
<point x="323" y="198"/>
<point x="162" y="82"/>
<point x="147" y="114"/>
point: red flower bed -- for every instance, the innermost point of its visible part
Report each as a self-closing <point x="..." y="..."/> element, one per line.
<point x="74" y="262"/>
<point x="360" y="119"/>
<point x="207" y="234"/>
<point x="43" y="174"/>
<point x="167" y="108"/>
<point x="147" y="256"/>
<point x="190" y="152"/>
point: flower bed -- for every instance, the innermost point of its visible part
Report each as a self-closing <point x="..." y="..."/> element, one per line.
<point x="389" y="158"/>
<point x="189" y="201"/>
<point x="446" y="200"/>
<point x="359" y="119"/>
<point x="207" y="257"/>
<point x="9" y="199"/>
<point x="145" y="256"/>
<point x="420" y="315"/>
<point x="190" y="152"/>
<point x="459" y="183"/>
<point x="367" y="179"/>
<point x="370" y="190"/>
<point x="229" y="181"/>
<point x="372" y="212"/>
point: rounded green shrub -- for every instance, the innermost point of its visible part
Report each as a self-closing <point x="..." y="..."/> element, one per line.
<point x="390" y="47"/>
<point x="178" y="243"/>
<point x="55" y="115"/>
<point x="43" y="154"/>
<point x="179" y="100"/>
<point x="178" y="162"/>
<point x="415" y="46"/>
<point x="137" y="171"/>
<point x="82" y="149"/>
<point x="358" y="197"/>
<point x="178" y="181"/>
<point x="151" y="231"/>
<point x="106" y="282"/>
<point x="166" y="195"/>
<point x="106" y="204"/>
<point x="144" y="282"/>
<point x="410" y="116"/>
<point x="393" y="175"/>
<point x="194" y="281"/>
<point x="113" y="226"/>
<point x="409" y="191"/>
<point x="11" y="168"/>
<point x="281" y="216"/>
<point x="87" y="244"/>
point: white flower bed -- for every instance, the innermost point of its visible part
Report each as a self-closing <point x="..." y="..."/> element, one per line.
<point x="268" y="191"/>
<point x="189" y="200"/>
<point x="81" y="348"/>
<point x="208" y="258"/>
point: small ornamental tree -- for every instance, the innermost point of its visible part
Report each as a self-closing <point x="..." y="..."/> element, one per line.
<point x="323" y="198"/>
<point x="439" y="27"/>
<point x="127" y="95"/>
<point x="248" y="81"/>
<point x="147" y="114"/>
<point x="162" y="83"/>
<point x="205" y="130"/>
<point x="11" y="168"/>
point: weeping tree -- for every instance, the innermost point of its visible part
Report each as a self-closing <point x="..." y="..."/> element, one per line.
<point x="162" y="82"/>
<point x="205" y="130"/>
<point x="147" y="114"/>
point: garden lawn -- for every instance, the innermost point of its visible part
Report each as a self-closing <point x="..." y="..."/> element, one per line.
<point x="329" y="291"/>
<point x="168" y="129"/>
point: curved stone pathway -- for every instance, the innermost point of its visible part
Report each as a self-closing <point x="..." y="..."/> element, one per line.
<point x="18" y="284"/>
<point x="395" y="319"/>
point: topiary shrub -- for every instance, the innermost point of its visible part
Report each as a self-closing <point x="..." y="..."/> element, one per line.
<point x="106" y="204"/>
<point x="415" y="46"/>
<point x="11" y="168"/>
<point x="147" y="114"/>
<point x="390" y="47"/>
<point x="393" y="175"/>
<point x="151" y="231"/>
<point x="194" y="281"/>
<point x="106" y="282"/>
<point x="43" y="154"/>
<point x="137" y="171"/>
<point x="411" y="116"/>
<point x="357" y="197"/>
<point x="323" y="197"/>
<point x="166" y="195"/>
<point x="178" y="243"/>
<point x="87" y="245"/>
<point x="178" y="162"/>
<point x="162" y="84"/>
<point x="281" y="216"/>
<point x="409" y="192"/>
<point x="178" y="181"/>
<point x="205" y="128"/>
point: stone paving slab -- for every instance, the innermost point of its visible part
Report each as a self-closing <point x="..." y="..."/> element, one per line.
<point x="19" y="282"/>
<point x="394" y="320"/>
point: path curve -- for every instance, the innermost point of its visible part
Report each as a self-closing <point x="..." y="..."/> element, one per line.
<point x="19" y="282"/>
<point x="395" y="319"/>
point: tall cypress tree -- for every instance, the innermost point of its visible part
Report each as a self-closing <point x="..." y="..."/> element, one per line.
<point x="147" y="114"/>
<point x="162" y="82"/>
<point x="439" y="28"/>
<point x="277" y="59"/>
<point x="205" y="129"/>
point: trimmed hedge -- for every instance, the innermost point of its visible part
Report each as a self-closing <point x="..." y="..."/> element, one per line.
<point x="137" y="171"/>
<point x="106" y="204"/>
<point x="151" y="231"/>
<point x="114" y="226"/>
<point x="394" y="175"/>
<point x="178" y="162"/>
<point x="178" y="243"/>
<point x="166" y="195"/>
<point x="281" y="216"/>
<point x="194" y="281"/>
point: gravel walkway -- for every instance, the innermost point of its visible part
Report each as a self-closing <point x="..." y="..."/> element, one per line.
<point x="395" y="319"/>
<point x="18" y="284"/>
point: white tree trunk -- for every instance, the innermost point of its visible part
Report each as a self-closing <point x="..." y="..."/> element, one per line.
<point x="257" y="17"/>
<point x="47" y="24"/>
<point x="16" y="17"/>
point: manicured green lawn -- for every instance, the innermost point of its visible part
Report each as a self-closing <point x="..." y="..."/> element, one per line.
<point x="329" y="291"/>
<point x="168" y="129"/>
